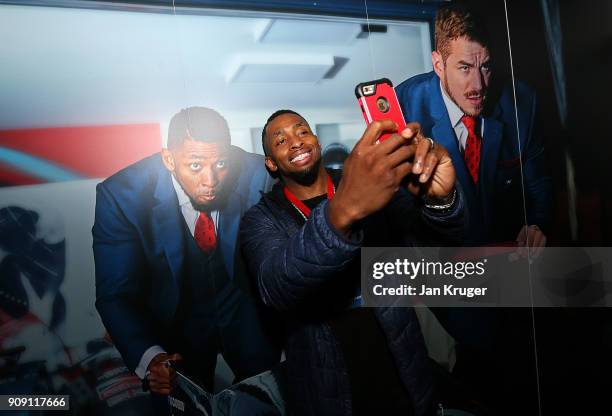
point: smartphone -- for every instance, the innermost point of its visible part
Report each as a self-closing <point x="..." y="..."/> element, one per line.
<point x="378" y="101"/>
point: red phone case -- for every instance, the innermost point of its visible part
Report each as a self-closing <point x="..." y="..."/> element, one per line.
<point x="378" y="101"/>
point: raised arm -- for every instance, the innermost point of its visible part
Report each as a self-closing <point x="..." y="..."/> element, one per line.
<point x="291" y="269"/>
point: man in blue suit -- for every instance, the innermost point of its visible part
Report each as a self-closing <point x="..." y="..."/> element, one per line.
<point x="454" y="106"/>
<point x="500" y="164"/>
<point x="167" y="270"/>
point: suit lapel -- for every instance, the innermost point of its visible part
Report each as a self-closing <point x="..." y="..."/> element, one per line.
<point x="443" y="133"/>
<point x="229" y="221"/>
<point x="168" y="224"/>
<point x="231" y="212"/>
<point x="491" y="142"/>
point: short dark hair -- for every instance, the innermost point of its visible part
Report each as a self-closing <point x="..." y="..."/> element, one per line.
<point x="272" y="117"/>
<point x="198" y="123"/>
<point x="455" y="21"/>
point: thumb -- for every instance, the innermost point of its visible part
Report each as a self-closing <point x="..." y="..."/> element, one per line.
<point x="411" y="130"/>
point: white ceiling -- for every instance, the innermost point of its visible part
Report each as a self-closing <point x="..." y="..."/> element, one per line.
<point x="62" y="66"/>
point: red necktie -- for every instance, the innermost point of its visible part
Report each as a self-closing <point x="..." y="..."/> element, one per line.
<point x="205" y="234"/>
<point x="472" y="147"/>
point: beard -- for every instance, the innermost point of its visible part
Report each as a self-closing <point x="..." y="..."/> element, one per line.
<point x="305" y="177"/>
<point x="470" y="94"/>
<point x="221" y="193"/>
<point x="214" y="205"/>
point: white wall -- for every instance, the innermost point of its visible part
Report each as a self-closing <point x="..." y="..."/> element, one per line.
<point x="63" y="66"/>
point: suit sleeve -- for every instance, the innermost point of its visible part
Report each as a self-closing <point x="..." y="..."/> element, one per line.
<point x="537" y="182"/>
<point x="120" y="280"/>
<point x="289" y="270"/>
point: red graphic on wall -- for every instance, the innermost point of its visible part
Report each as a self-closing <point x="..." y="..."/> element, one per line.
<point x="31" y="156"/>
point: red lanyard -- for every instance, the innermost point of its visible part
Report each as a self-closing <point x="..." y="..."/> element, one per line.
<point x="300" y="205"/>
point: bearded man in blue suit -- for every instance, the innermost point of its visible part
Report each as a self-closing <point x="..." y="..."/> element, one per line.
<point x="500" y="164"/>
<point x="508" y="160"/>
<point x="167" y="270"/>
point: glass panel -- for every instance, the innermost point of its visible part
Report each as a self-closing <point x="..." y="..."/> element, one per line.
<point x="474" y="106"/>
<point x="559" y="48"/>
<point x="306" y="62"/>
<point x="84" y="88"/>
<point x="89" y="89"/>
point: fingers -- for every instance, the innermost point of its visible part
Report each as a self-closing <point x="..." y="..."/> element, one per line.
<point x="413" y="185"/>
<point x="427" y="157"/>
<point x="531" y="239"/>
<point x="160" y="372"/>
<point x="160" y="387"/>
<point x="375" y="130"/>
<point x="411" y="130"/>
<point x="391" y="144"/>
<point x="521" y="238"/>
<point x="540" y="245"/>
<point x="175" y="357"/>
<point x="427" y="167"/>
<point x="401" y="171"/>
<point x="424" y="146"/>
<point x="539" y="241"/>
<point x="159" y="379"/>
<point x="161" y="376"/>
<point x="532" y="236"/>
<point x="401" y="155"/>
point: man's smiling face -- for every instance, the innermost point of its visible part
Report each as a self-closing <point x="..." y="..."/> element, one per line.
<point x="293" y="150"/>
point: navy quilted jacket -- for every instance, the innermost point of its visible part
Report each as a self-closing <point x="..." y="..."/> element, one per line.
<point x="303" y="272"/>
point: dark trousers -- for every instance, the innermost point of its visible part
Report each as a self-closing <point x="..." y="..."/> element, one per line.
<point x="237" y="331"/>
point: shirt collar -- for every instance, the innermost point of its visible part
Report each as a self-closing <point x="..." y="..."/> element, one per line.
<point x="453" y="110"/>
<point x="180" y="193"/>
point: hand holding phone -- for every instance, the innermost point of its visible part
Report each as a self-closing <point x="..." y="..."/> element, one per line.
<point x="431" y="170"/>
<point x="378" y="102"/>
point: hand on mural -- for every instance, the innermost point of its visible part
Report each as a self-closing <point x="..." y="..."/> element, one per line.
<point x="531" y="238"/>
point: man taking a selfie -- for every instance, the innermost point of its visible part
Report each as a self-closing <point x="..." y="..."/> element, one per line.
<point x="302" y="243"/>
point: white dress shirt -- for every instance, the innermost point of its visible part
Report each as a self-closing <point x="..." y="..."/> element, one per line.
<point x="455" y="114"/>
